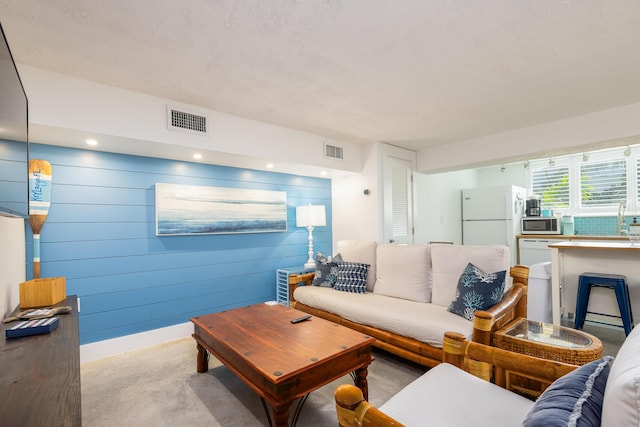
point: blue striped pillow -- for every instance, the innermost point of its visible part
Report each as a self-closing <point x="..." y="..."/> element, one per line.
<point x="574" y="400"/>
<point x="352" y="277"/>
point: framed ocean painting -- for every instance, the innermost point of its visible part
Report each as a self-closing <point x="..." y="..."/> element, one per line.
<point x="193" y="209"/>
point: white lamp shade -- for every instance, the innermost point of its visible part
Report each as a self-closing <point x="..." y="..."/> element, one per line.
<point x="310" y="216"/>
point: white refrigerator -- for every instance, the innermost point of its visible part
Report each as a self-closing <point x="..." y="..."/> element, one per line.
<point x="491" y="216"/>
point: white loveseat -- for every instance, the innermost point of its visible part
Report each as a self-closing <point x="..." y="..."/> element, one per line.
<point x="408" y="291"/>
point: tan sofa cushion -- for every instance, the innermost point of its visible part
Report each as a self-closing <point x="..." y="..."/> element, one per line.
<point x="423" y="322"/>
<point x="449" y="261"/>
<point x="403" y="272"/>
<point x="362" y="251"/>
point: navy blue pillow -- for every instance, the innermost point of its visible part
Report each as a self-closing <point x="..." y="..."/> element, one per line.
<point x="352" y="277"/>
<point x="326" y="271"/>
<point x="572" y="400"/>
<point x="477" y="290"/>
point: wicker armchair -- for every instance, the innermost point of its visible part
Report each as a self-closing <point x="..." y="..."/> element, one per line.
<point x="486" y="362"/>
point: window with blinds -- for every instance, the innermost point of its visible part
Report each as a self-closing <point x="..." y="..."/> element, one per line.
<point x="588" y="183"/>
<point x="552" y="185"/>
<point x="603" y="183"/>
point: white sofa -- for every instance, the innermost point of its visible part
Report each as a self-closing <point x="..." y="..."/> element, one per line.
<point x="597" y="393"/>
<point x="408" y="291"/>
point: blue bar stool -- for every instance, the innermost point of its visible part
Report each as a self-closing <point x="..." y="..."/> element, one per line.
<point x="615" y="281"/>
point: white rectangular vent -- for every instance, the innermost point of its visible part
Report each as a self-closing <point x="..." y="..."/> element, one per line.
<point x="183" y="121"/>
<point x="333" y="152"/>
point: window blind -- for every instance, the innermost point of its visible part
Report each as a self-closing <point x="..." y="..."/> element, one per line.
<point x="603" y="183"/>
<point x="552" y="185"/>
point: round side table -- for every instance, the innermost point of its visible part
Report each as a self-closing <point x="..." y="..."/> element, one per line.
<point x="548" y="341"/>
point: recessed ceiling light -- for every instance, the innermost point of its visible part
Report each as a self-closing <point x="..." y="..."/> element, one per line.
<point x="91" y="142"/>
<point x="323" y="173"/>
<point x="197" y="156"/>
<point x="270" y="165"/>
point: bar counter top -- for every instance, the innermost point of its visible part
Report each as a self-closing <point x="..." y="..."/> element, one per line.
<point x="625" y="245"/>
<point x="575" y="237"/>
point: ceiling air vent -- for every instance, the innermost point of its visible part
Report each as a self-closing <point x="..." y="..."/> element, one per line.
<point x="184" y="121"/>
<point x="333" y="152"/>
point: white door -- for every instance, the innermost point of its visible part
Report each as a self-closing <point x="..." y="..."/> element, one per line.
<point x="398" y="201"/>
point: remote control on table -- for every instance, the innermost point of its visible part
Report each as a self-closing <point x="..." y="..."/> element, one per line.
<point x="301" y="319"/>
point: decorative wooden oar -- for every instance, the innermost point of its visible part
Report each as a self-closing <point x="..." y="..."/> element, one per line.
<point x="39" y="202"/>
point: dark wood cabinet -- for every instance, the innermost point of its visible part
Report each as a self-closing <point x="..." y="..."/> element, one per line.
<point x="40" y="375"/>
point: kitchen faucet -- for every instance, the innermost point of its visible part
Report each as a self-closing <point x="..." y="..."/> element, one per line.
<point x="621" y="223"/>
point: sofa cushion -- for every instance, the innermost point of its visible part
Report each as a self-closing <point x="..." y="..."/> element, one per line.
<point x="423" y="322"/>
<point x="352" y="277"/>
<point x="477" y="290"/>
<point x="363" y="251"/>
<point x="621" y="405"/>
<point x="449" y="261"/>
<point x="403" y="272"/>
<point x="326" y="271"/>
<point x="573" y="400"/>
<point x="449" y="396"/>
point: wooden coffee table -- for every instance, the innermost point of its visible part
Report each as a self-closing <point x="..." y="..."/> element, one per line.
<point x="279" y="360"/>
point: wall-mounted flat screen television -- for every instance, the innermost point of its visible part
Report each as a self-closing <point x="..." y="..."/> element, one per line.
<point x="14" y="136"/>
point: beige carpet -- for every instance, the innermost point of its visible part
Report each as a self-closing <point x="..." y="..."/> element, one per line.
<point x="159" y="386"/>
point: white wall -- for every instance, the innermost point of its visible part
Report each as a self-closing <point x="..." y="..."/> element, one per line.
<point x="602" y="129"/>
<point x="12" y="262"/>
<point x="356" y="216"/>
<point x="439" y="205"/>
<point x="514" y="174"/>
<point x="63" y="108"/>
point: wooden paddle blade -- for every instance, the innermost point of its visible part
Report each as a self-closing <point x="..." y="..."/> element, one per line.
<point x="39" y="202"/>
<point x="39" y="193"/>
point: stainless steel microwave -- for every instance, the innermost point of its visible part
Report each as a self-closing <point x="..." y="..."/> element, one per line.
<point x="541" y="225"/>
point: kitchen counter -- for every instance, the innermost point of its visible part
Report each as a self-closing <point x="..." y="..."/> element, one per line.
<point x="570" y="259"/>
<point x="612" y="246"/>
<point x="533" y="248"/>
<point x="571" y="237"/>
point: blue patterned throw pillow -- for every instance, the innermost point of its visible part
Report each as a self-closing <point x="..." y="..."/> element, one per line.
<point x="326" y="271"/>
<point x="477" y="290"/>
<point x="573" y="400"/>
<point x="352" y="277"/>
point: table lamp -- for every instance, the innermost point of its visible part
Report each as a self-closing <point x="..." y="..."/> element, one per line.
<point x="310" y="216"/>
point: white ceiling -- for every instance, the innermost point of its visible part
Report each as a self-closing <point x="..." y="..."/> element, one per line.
<point x="414" y="73"/>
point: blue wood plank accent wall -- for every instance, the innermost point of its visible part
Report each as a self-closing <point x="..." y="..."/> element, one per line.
<point x="100" y="235"/>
